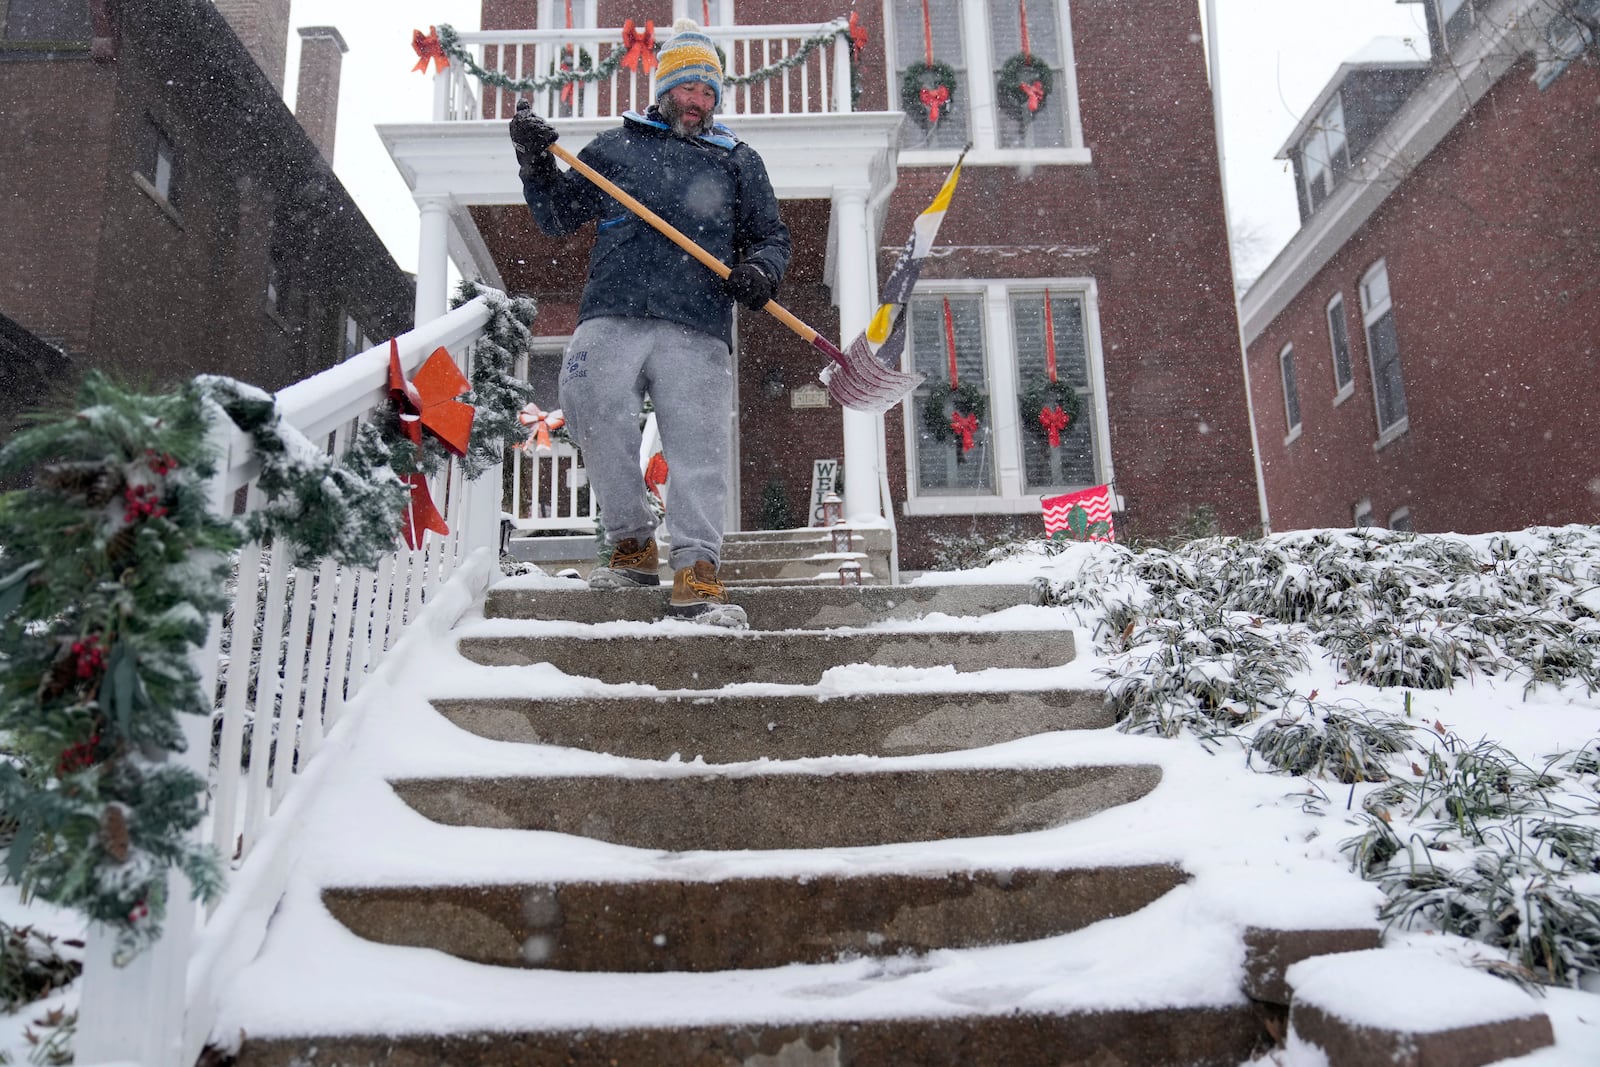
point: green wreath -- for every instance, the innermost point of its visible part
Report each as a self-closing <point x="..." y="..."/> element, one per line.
<point x="1045" y="393"/>
<point x="1022" y="69"/>
<point x="920" y="76"/>
<point x="968" y="401"/>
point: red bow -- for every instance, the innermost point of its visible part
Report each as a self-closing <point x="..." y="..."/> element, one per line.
<point x="1035" y="94"/>
<point x="422" y="514"/>
<point x="427" y="46"/>
<point x="540" y="423"/>
<point x="858" y="37"/>
<point x="1054" y="420"/>
<point x="933" y="100"/>
<point x="655" y="474"/>
<point x="966" y="426"/>
<point x="641" y="47"/>
<point x="429" y="400"/>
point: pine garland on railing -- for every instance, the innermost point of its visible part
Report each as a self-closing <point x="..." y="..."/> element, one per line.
<point x="451" y="44"/>
<point x="113" y="566"/>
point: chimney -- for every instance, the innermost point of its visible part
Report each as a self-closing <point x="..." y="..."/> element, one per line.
<point x="263" y="26"/>
<point x="316" y="102"/>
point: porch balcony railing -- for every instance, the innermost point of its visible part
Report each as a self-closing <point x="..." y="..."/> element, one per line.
<point x="819" y="84"/>
<point x="316" y="638"/>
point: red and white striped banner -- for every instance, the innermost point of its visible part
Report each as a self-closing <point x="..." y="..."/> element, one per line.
<point x="1094" y="506"/>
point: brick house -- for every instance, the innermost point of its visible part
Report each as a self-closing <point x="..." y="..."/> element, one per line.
<point x="1423" y="350"/>
<point x="165" y="213"/>
<point x="1108" y="199"/>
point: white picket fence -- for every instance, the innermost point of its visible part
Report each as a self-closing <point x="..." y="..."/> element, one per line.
<point x="320" y="636"/>
<point x="819" y="85"/>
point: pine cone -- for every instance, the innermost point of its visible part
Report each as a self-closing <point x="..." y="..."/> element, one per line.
<point x="96" y="483"/>
<point x="121" y="546"/>
<point x="114" y="833"/>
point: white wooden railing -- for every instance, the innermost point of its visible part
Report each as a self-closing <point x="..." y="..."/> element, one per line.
<point x="820" y="85"/>
<point x="320" y="636"/>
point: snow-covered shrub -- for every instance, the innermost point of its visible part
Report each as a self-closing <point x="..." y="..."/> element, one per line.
<point x="1347" y="745"/>
<point x="34" y="965"/>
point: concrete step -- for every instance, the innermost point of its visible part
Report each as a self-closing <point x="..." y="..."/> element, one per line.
<point x="807" y="567"/>
<point x="743" y="923"/>
<point x="791" y="726"/>
<point x="803" y="543"/>
<point x="1170" y="1037"/>
<point x="782" y="810"/>
<point x="809" y="607"/>
<point x="715" y="658"/>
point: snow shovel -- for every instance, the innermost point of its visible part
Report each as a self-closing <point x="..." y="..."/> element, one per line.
<point x="855" y="378"/>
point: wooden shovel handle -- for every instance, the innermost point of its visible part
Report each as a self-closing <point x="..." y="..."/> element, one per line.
<point x="687" y="243"/>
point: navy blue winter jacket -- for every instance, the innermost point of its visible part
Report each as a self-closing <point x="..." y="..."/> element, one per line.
<point x="714" y="188"/>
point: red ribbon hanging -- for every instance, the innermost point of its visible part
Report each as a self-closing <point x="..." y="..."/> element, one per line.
<point x="655" y="474"/>
<point x="1022" y="14"/>
<point x="858" y="37"/>
<point x="965" y="426"/>
<point x="568" y="61"/>
<point x="1034" y="93"/>
<point x="950" y="342"/>
<point x="927" y="34"/>
<point x="641" y="46"/>
<point x="705" y="12"/>
<point x="1054" y="420"/>
<point x="933" y="100"/>
<point x="427" y="47"/>
<point x="569" y="14"/>
<point x="1049" y="339"/>
<point x="421" y="513"/>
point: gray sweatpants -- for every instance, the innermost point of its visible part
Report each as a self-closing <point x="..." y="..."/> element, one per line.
<point x="610" y="364"/>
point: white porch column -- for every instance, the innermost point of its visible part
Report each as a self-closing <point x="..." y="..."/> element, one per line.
<point x="433" y="258"/>
<point x="861" y="429"/>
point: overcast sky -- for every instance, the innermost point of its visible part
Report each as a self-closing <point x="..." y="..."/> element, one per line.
<point x="1276" y="56"/>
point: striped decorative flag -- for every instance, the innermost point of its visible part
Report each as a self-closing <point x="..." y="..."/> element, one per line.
<point x="886" y="333"/>
<point x="1081" y="516"/>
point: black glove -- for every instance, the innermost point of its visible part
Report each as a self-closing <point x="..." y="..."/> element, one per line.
<point x="749" y="284"/>
<point x="532" y="137"/>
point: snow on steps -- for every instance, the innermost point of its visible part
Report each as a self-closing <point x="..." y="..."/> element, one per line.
<point x="909" y="901"/>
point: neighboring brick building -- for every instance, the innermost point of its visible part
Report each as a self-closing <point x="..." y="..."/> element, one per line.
<point x="162" y="211"/>
<point x="1423" y="353"/>
<point x="1109" y="199"/>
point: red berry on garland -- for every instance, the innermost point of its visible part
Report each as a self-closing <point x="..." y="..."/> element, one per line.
<point x="139" y="913"/>
<point x="90" y="657"/>
<point x="162" y="464"/>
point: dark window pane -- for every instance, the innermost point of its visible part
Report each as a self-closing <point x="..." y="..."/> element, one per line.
<point x="944" y="24"/>
<point x="1291" y="393"/>
<point x="47" y="20"/>
<point x="942" y="465"/>
<point x="1384" y="345"/>
<point x="1339" y="341"/>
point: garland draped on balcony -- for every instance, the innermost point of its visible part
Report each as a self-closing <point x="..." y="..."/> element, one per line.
<point x="450" y="43"/>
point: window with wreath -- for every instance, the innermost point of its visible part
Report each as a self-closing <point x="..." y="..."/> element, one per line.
<point x="1009" y="410"/>
<point x="705" y="12"/>
<point x="994" y="73"/>
<point x="1055" y="407"/>
<point x="954" y="445"/>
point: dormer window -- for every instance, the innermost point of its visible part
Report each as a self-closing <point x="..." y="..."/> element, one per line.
<point x="1456" y="19"/>
<point x="1325" y="153"/>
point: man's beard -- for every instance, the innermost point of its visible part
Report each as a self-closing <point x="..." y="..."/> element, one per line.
<point x="681" y="125"/>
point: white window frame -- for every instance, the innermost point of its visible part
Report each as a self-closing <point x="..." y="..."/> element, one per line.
<point x="982" y="106"/>
<point x="1291" y="391"/>
<point x="553" y="16"/>
<point x="1330" y="139"/>
<point x="1009" y="496"/>
<point x="1444" y="20"/>
<point x="1370" y="314"/>
<point x="1342" y="391"/>
<point x="724" y="12"/>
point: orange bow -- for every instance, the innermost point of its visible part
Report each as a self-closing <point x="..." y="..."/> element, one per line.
<point x="427" y="46"/>
<point x="858" y="36"/>
<point x="966" y="426"/>
<point x="934" y="99"/>
<point x="655" y="474"/>
<point x="641" y="46"/>
<point x="541" y="423"/>
<point x="429" y="402"/>
<point x="421" y="513"/>
<point x="1035" y="94"/>
<point x="1054" y="420"/>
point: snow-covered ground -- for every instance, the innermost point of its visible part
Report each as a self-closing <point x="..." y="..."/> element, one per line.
<point x="1263" y="847"/>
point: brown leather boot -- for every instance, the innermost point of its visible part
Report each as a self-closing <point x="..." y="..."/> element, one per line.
<point x="633" y="563"/>
<point x="699" y="595"/>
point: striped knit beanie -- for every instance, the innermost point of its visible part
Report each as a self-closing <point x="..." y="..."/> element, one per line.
<point x="688" y="57"/>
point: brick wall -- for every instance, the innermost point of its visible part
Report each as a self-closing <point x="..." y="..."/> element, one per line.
<point x="263" y="26"/>
<point x="1492" y="251"/>
<point x="316" y="102"/>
